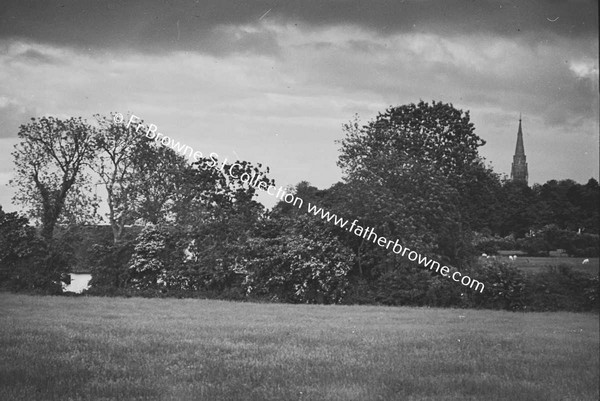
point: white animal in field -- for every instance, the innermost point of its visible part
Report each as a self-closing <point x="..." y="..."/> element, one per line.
<point x="484" y="255"/>
<point x="585" y="262"/>
<point x="512" y="258"/>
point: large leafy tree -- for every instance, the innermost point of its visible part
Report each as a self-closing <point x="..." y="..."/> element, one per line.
<point x="159" y="182"/>
<point x="142" y="178"/>
<point x="519" y="212"/>
<point x="416" y="174"/>
<point x="216" y="212"/>
<point x="118" y="147"/>
<point x="567" y="204"/>
<point x="50" y="165"/>
<point x="437" y="134"/>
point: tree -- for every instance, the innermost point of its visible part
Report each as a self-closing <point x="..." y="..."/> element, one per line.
<point x="436" y="134"/>
<point x="142" y="178"/>
<point x="219" y="212"/>
<point x="568" y="204"/>
<point x="117" y="152"/>
<point x="50" y="164"/>
<point x="158" y="181"/>
<point x="415" y="172"/>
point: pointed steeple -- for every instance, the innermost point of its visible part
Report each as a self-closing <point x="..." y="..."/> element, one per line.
<point x="519" y="166"/>
<point x="520" y="150"/>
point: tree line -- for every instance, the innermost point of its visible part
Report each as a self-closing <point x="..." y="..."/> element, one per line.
<point x="413" y="173"/>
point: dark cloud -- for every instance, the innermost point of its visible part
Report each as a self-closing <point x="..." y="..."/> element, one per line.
<point x="508" y="18"/>
<point x="161" y="25"/>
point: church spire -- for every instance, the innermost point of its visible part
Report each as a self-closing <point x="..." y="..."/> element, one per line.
<point x="518" y="171"/>
<point x="520" y="150"/>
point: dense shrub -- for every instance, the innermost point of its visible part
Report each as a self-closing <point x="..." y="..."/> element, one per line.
<point x="592" y="292"/>
<point x="534" y="246"/>
<point x="443" y="292"/>
<point x="359" y="291"/>
<point x="402" y="286"/>
<point x="584" y="245"/>
<point x="16" y="239"/>
<point x="109" y="266"/>
<point x="305" y="263"/>
<point x="578" y="244"/>
<point x="78" y="242"/>
<point x="28" y="263"/>
<point x="309" y="266"/>
<point x="416" y="286"/>
<point x="562" y="288"/>
<point x="504" y="286"/>
<point x="491" y="245"/>
<point x="157" y="259"/>
<point x="42" y="270"/>
<point x="211" y="270"/>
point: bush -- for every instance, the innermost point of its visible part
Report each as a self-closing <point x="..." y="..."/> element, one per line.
<point x="576" y="244"/>
<point x="592" y="293"/>
<point x="16" y="240"/>
<point x="445" y="293"/>
<point x="402" y="286"/>
<point x="562" y="288"/>
<point x="534" y="246"/>
<point x="491" y="245"/>
<point x="504" y="286"/>
<point x="307" y="266"/>
<point x="28" y="263"/>
<point x="109" y="267"/>
<point x="157" y="259"/>
<point x="359" y="291"/>
<point x="584" y="245"/>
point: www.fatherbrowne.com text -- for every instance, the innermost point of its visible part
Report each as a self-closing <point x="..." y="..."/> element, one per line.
<point x="370" y="235"/>
<point x="254" y="181"/>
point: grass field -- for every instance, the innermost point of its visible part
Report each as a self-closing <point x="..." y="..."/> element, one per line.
<point x="535" y="264"/>
<point x="84" y="348"/>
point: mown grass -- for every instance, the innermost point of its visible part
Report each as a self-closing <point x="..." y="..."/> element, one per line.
<point x="83" y="348"/>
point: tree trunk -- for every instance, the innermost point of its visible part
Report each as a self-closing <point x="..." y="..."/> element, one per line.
<point x="360" y="270"/>
<point x="117" y="230"/>
<point x="48" y="229"/>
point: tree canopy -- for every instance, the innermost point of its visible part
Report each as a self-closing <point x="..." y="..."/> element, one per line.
<point x="414" y="171"/>
<point x="50" y="163"/>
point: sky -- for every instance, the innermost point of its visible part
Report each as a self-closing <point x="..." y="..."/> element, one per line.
<point x="273" y="82"/>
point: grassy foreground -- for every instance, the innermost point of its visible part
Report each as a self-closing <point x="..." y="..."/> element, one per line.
<point x="68" y="348"/>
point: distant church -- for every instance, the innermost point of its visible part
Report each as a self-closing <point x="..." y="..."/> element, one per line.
<point x="518" y="172"/>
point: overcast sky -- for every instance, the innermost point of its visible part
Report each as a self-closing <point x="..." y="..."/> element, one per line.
<point x="273" y="81"/>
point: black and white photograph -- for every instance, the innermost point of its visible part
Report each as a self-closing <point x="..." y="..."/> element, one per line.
<point x="287" y="200"/>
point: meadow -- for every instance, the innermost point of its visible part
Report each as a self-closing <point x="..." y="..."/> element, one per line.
<point x="535" y="264"/>
<point x="94" y="348"/>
